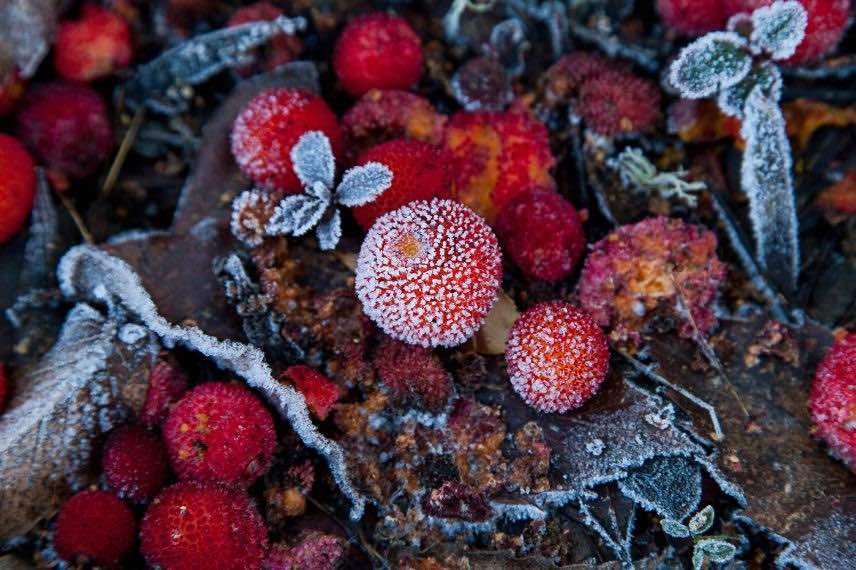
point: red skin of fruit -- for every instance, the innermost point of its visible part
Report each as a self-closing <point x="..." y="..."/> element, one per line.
<point x="270" y="125"/>
<point x="167" y="384"/>
<point x="95" y="526"/>
<point x="384" y="115"/>
<point x="495" y="156"/>
<point x="92" y="47"/>
<point x="281" y="49"/>
<point x="377" y="51"/>
<point x="619" y="103"/>
<point x="420" y="172"/>
<point x="135" y="463"/>
<point x="193" y="525"/>
<point x="428" y="273"/>
<point x="413" y="373"/>
<point x="220" y="432"/>
<point x="557" y="356"/>
<point x="17" y="186"/>
<point x="833" y="399"/>
<point x="827" y="21"/>
<point x="11" y="90"/>
<point x="542" y="233"/>
<point x="567" y="75"/>
<point x="320" y="392"/>
<point x="693" y="17"/>
<point x="4" y="388"/>
<point x="66" y="127"/>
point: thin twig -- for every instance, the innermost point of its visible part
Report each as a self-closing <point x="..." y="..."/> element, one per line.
<point x="76" y="217"/>
<point x="122" y="153"/>
<point x="650" y="374"/>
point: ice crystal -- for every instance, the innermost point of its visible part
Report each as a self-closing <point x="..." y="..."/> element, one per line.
<point x="765" y="176"/>
<point x="315" y="166"/>
<point x="779" y="28"/>
<point x="158" y="84"/>
<point x="640" y="174"/>
<point x="714" y="62"/>
<point x="89" y="273"/>
<point x="669" y="486"/>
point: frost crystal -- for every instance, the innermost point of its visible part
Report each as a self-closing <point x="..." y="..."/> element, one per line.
<point x="87" y="272"/>
<point x="669" y="486"/>
<point x="765" y="176"/>
<point x="315" y="166"/>
<point x="639" y="173"/>
<point x="713" y="62"/>
<point x="779" y="28"/>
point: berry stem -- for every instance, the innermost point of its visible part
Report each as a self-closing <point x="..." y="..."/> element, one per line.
<point x="122" y="153"/>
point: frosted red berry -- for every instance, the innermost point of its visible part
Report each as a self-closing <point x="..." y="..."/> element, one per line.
<point x="270" y="125"/>
<point x="17" y="186"/>
<point x="619" y="103"/>
<point x="134" y="463"/>
<point x="419" y="172"/>
<point x="11" y="90"/>
<point x="167" y="384"/>
<point x="377" y="51"/>
<point x="384" y="115"/>
<point x="93" y="46"/>
<point x="320" y="392"/>
<point x="315" y="551"/>
<point x="96" y="527"/>
<point x="693" y="17"/>
<point x="196" y="525"/>
<point x="220" y="432"/>
<point x="428" y="273"/>
<point x="542" y="233"/>
<point x="565" y="77"/>
<point x="412" y="373"/>
<point x="281" y="49"/>
<point x="495" y="156"/>
<point x="833" y="399"/>
<point x="557" y="357"/>
<point x="66" y="127"/>
<point x="827" y="22"/>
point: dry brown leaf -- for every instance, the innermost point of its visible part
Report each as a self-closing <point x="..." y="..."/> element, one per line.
<point x="491" y="337"/>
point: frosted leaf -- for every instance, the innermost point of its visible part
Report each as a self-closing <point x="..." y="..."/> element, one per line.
<point x="330" y="231"/>
<point x="320" y="191"/>
<point x="251" y="211"/>
<point x="26" y="31"/>
<point x="702" y="520"/>
<point x="87" y="272"/>
<point x="296" y="215"/>
<point x="765" y="176"/>
<point x="362" y="184"/>
<point x="156" y="84"/>
<point x="717" y="550"/>
<point x="313" y="159"/>
<point x="779" y="28"/>
<point x="764" y="75"/>
<point x="712" y="62"/>
<point x="86" y="384"/>
<point x="613" y="517"/>
<point x="674" y="528"/>
<point x="669" y="486"/>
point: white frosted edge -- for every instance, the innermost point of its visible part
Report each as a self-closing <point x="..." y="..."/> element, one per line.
<point x="111" y="278"/>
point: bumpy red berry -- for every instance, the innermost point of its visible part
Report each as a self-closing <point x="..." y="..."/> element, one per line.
<point x="11" y="90"/>
<point x="384" y="115"/>
<point x="281" y="49"/>
<point x="94" y="46"/>
<point x="167" y="384"/>
<point x="619" y="103"/>
<point x="320" y="392"/>
<point x="412" y="373"/>
<point x="650" y="271"/>
<point x="94" y="526"/>
<point x="220" y="432"/>
<point x="827" y="21"/>
<point x="315" y="551"/>
<point x="565" y="77"/>
<point x="135" y="463"/>
<point x="17" y="186"/>
<point x="428" y="273"/>
<point x="4" y="388"/>
<point x="270" y="125"/>
<point x="419" y="172"/>
<point x="495" y="156"/>
<point x="377" y="51"/>
<point x="66" y="127"/>
<point x="557" y="357"/>
<point x="693" y="17"/>
<point x="833" y="399"/>
<point x="203" y="525"/>
<point x="542" y="233"/>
